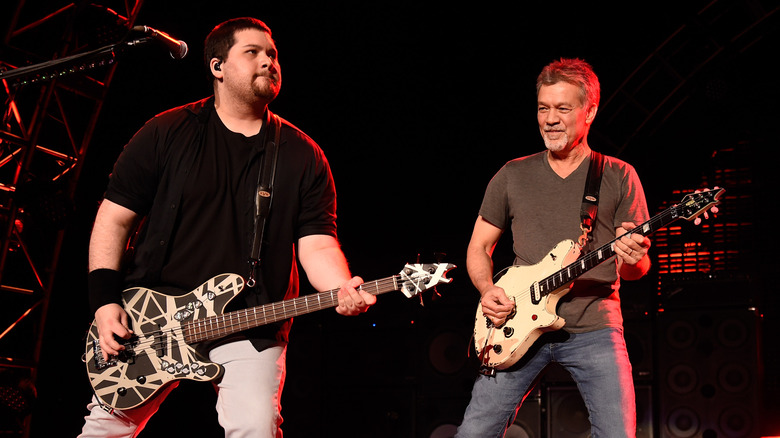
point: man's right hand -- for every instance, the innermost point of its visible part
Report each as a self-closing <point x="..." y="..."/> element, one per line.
<point x="111" y="321"/>
<point x="496" y="305"/>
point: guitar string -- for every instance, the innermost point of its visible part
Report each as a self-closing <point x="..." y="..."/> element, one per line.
<point x="588" y="258"/>
<point x="552" y="282"/>
<point x="234" y="319"/>
<point x="591" y="259"/>
<point x="664" y="218"/>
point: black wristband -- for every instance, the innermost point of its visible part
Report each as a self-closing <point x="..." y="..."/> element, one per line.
<point x="104" y="287"/>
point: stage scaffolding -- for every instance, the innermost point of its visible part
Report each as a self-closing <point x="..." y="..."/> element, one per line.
<point x="57" y="60"/>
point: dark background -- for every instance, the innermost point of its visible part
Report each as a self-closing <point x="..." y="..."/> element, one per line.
<point x="416" y="106"/>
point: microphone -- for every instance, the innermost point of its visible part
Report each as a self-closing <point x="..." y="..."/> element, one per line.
<point x="177" y="48"/>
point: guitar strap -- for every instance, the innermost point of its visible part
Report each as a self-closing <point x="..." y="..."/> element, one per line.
<point x="264" y="194"/>
<point x="590" y="200"/>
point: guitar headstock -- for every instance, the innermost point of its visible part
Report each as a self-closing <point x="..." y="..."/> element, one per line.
<point x="419" y="277"/>
<point x="694" y="204"/>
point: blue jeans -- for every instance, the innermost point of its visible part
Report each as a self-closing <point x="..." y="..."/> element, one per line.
<point x="598" y="363"/>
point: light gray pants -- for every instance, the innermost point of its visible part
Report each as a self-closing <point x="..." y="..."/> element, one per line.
<point x="248" y="397"/>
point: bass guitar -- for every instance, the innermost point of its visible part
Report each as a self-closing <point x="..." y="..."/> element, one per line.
<point x="165" y="328"/>
<point x="536" y="289"/>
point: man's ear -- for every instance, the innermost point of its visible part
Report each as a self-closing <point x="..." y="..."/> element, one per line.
<point x="216" y="67"/>
<point x="592" y="110"/>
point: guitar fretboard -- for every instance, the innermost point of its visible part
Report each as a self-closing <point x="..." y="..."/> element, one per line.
<point x="214" y="327"/>
<point x="594" y="258"/>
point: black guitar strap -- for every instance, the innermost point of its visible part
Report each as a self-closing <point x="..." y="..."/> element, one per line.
<point x="264" y="194"/>
<point x="590" y="200"/>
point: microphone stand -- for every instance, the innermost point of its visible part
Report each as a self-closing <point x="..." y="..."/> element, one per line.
<point x="73" y="64"/>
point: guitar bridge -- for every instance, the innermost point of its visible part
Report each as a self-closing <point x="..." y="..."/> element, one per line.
<point x="490" y="324"/>
<point x="101" y="363"/>
<point x="128" y="355"/>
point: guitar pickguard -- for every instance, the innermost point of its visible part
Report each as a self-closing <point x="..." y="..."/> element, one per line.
<point x="157" y="353"/>
<point x="502" y="346"/>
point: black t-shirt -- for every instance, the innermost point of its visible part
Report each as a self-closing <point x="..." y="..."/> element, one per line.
<point x="213" y="230"/>
<point x="194" y="181"/>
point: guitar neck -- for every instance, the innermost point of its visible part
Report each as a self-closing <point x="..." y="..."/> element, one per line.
<point x="219" y="326"/>
<point x="602" y="254"/>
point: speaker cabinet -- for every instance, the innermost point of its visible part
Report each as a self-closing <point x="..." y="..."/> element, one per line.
<point x="709" y="373"/>
<point x="373" y="411"/>
<point x="528" y="421"/>
<point x="445" y="368"/>
<point x="438" y="417"/>
<point x="567" y="416"/>
<point x="638" y="333"/>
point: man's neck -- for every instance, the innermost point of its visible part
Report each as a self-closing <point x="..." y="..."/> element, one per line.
<point x="241" y="118"/>
<point x="567" y="161"/>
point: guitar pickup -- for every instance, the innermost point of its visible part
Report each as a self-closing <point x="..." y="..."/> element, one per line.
<point x="536" y="293"/>
<point x="160" y="343"/>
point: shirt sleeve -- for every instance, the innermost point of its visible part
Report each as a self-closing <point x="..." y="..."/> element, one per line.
<point x="495" y="206"/>
<point x="318" y="197"/>
<point x="633" y="205"/>
<point x="134" y="179"/>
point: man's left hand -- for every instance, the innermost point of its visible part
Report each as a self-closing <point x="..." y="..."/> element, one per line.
<point x="631" y="247"/>
<point x="352" y="301"/>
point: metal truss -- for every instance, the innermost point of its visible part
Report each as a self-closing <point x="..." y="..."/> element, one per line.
<point x="664" y="81"/>
<point x="57" y="60"/>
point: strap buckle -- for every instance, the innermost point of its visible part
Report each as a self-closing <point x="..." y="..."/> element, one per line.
<point x="252" y="280"/>
<point x="584" y="239"/>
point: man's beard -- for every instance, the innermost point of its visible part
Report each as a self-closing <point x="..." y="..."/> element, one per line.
<point x="558" y="144"/>
<point x="267" y="90"/>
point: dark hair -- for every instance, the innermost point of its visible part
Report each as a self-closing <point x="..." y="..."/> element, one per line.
<point x="576" y="72"/>
<point x="223" y="36"/>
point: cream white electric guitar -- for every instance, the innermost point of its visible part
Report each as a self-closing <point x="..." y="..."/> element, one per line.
<point x="166" y="328"/>
<point x="537" y="289"/>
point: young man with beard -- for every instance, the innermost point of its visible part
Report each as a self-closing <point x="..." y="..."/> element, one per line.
<point x="192" y="172"/>
<point x="538" y="198"/>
